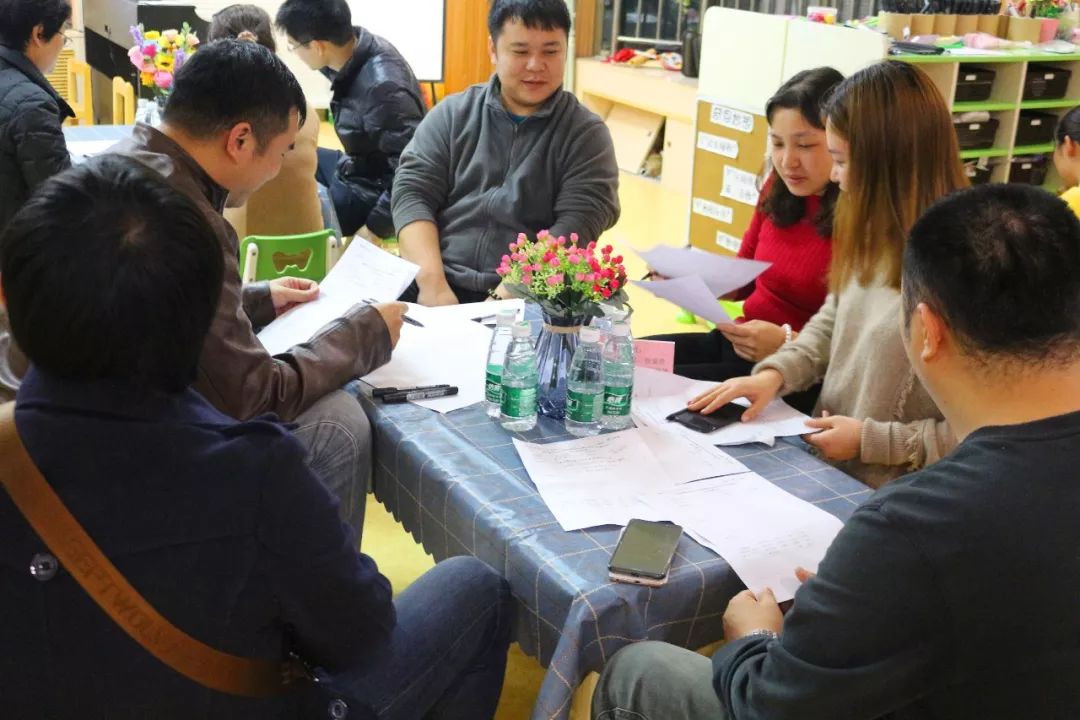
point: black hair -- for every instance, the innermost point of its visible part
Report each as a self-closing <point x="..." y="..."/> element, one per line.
<point x="110" y="274"/>
<point x="533" y="14"/>
<point x="999" y="263"/>
<point x="232" y="21"/>
<point x="805" y="92"/>
<point x="18" y="18"/>
<point x="1069" y="126"/>
<point x="233" y="81"/>
<point x="307" y="20"/>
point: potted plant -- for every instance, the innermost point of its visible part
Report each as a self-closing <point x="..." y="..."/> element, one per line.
<point x="569" y="283"/>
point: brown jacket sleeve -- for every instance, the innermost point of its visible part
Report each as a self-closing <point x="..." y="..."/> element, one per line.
<point x="240" y="378"/>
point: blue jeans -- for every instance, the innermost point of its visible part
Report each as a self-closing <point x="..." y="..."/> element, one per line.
<point x="351" y="205"/>
<point x="337" y="435"/>
<point x="447" y="655"/>
<point x="656" y="681"/>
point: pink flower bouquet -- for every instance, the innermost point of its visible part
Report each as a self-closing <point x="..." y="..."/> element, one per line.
<point x="564" y="279"/>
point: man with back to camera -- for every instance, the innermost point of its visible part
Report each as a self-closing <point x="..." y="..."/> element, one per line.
<point x="516" y="154"/>
<point x="376" y="105"/>
<point x="218" y="524"/>
<point x="234" y="111"/>
<point x="951" y="592"/>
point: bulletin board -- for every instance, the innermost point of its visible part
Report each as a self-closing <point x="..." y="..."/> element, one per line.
<point x="729" y="154"/>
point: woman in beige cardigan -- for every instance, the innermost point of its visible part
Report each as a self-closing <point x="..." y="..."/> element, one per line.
<point x="288" y="204"/>
<point x="895" y="154"/>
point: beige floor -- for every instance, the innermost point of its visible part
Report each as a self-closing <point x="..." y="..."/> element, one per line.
<point x="651" y="215"/>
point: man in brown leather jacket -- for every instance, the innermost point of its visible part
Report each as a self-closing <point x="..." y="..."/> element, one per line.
<point x="233" y="113"/>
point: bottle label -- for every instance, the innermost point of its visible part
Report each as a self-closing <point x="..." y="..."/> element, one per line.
<point x="617" y="400"/>
<point x="582" y="407"/>
<point x="519" y="402"/>
<point x="493" y="388"/>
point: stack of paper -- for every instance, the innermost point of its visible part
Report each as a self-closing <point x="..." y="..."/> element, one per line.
<point x="763" y="532"/>
<point x="605" y="479"/>
<point x="363" y="271"/>
<point x="654" y="474"/>
<point x="697" y="278"/>
<point x="658" y="394"/>
<point x="448" y="349"/>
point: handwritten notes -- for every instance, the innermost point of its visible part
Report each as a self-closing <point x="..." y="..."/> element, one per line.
<point x="740" y="186"/>
<point x="734" y="119"/>
<point x="719" y="145"/>
<point x="716" y="211"/>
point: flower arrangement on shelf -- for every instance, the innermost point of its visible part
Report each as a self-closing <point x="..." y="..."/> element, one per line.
<point x="564" y="279"/>
<point x="158" y="55"/>
<point x="569" y="283"/>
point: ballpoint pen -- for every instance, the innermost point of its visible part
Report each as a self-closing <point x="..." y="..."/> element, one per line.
<point x="406" y="318"/>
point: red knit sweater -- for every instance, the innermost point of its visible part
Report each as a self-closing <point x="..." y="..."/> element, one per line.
<point x="794" y="287"/>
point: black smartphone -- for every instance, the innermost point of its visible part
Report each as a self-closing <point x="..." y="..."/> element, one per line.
<point x="645" y="550"/>
<point x="721" y="417"/>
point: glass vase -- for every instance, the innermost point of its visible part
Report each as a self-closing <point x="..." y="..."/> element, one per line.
<point x="554" y="352"/>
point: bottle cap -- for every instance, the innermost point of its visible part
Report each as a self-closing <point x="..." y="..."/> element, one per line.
<point x="620" y="329"/>
<point x="522" y="329"/>
<point x="505" y="317"/>
<point x="590" y="334"/>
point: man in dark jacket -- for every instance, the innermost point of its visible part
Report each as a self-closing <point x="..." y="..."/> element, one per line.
<point x="218" y="524"/>
<point x="234" y="112"/>
<point x="951" y="593"/>
<point x="376" y="105"/>
<point x="32" y="148"/>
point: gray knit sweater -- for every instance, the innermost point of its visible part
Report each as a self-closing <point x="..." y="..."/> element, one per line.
<point x="854" y="344"/>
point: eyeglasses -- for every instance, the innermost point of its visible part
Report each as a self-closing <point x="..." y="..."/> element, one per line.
<point x="293" y="47"/>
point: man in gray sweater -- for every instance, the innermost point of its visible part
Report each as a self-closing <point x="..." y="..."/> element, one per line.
<point x="519" y="154"/>
<point x="951" y="593"/>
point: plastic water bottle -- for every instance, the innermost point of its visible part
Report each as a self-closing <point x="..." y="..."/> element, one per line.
<point x="519" y="381"/>
<point x="504" y="322"/>
<point x="585" y="386"/>
<point x="618" y="378"/>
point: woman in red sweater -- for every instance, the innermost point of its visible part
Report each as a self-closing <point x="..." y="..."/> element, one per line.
<point x="791" y="229"/>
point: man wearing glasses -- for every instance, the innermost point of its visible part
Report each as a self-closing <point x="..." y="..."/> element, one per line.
<point x="376" y="105"/>
<point x="32" y="147"/>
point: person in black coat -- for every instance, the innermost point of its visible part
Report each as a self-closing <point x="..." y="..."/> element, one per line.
<point x="32" y="148"/>
<point x="376" y="106"/>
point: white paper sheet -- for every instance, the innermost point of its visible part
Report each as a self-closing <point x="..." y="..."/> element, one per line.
<point x="657" y="395"/>
<point x="600" y="480"/>
<point x="685" y="458"/>
<point x="363" y="271"/>
<point x="447" y="350"/>
<point x="762" y="531"/>
<point x="721" y="273"/>
<point x="481" y="310"/>
<point x="690" y="293"/>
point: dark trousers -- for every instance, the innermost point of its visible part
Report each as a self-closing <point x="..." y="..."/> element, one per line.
<point x="447" y="653"/>
<point x="351" y="204"/>
<point x="711" y="356"/>
<point x="464" y="296"/>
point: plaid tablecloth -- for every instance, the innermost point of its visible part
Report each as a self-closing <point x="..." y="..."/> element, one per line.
<point x="457" y="484"/>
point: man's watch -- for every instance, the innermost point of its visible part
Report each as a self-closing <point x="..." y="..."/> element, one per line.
<point x="762" y="632"/>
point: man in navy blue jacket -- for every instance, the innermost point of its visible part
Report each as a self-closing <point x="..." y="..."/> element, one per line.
<point x="219" y="524"/>
<point x="951" y="593"/>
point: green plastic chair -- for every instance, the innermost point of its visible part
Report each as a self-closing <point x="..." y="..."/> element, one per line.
<point x="308" y="256"/>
